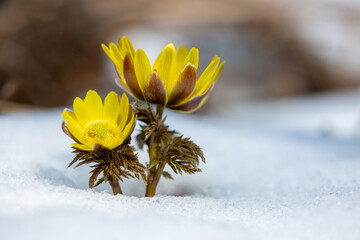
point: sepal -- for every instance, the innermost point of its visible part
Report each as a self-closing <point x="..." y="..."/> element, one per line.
<point x="121" y="162"/>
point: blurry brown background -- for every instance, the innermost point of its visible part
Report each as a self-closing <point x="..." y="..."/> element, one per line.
<point x="50" y="50"/>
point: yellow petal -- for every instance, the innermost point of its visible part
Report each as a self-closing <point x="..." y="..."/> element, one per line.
<point x="93" y="105"/>
<point x="129" y="46"/>
<point x="181" y="54"/>
<point x="81" y="112"/>
<point x="82" y="147"/>
<point x="122" y="47"/>
<point x="131" y="79"/>
<point x="213" y="79"/>
<point x="111" y="107"/>
<point x="165" y="66"/>
<point x="142" y="68"/>
<point x="184" y="86"/>
<point x="125" y="46"/>
<point x="193" y="57"/>
<point x="199" y="106"/>
<point x="123" y="111"/>
<point x="130" y="114"/>
<point x="116" y="143"/>
<point x="116" y="57"/>
<point x="193" y="104"/>
<point x="206" y="75"/>
<point x="109" y="54"/>
<point x="94" y="141"/>
<point x="72" y="124"/>
<point x="70" y="118"/>
<point x="124" y="134"/>
<point x="128" y="128"/>
<point x="116" y="54"/>
<point x="155" y="92"/>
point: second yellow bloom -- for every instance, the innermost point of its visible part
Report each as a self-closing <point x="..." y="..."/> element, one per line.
<point x="171" y="81"/>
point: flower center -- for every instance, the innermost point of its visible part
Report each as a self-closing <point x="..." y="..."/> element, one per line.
<point x="101" y="130"/>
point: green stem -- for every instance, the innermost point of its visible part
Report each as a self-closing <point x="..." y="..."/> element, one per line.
<point x="154" y="173"/>
<point x="114" y="183"/>
<point x="159" y="111"/>
<point x="151" y="187"/>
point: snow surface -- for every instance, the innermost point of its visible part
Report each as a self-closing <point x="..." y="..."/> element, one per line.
<point x="278" y="170"/>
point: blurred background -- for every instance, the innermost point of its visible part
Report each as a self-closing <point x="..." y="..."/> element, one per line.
<point x="50" y="49"/>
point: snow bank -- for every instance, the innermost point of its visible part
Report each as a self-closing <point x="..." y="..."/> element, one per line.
<point x="279" y="170"/>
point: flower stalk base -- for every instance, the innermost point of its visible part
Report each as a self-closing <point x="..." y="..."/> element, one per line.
<point x="115" y="165"/>
<point x="165" y="148"/>
<point x="114" y="183"/>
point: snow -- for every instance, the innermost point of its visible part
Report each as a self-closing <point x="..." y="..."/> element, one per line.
<point x="285" y="169"/>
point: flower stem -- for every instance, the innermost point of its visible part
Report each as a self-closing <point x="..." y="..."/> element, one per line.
<point x="151" y="187"/>
<point x="114" y="183"/>
<point x="159" y="111"/>
<point x="154" y="173"/>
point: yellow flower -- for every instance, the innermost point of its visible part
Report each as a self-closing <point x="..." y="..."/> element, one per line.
<point x="171" y="81"/>
<point x="94" y="123"/>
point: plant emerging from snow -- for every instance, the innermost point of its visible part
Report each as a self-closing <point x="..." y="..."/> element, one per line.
<point x="102" y="132"/>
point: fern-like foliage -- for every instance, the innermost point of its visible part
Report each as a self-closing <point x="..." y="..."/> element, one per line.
<point x="180" y="153"/>
<point x="118" y="163"/>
